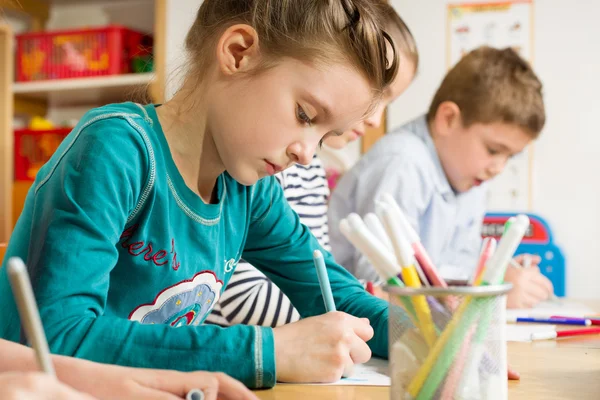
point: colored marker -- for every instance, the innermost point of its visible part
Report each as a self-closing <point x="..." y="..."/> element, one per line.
<point x="508" y="223"/>
<point x="382" y="260"/>
<point x="594" y="321"/>
<point x="487" y="249"/>
<point x="567" y="333"/>
<point x="435" y="367"/>
<point x="28" y="311"/>
<point x="323" y="280"/>
<point x="423" y="259"/>
<point x="354" y="229"/>
<point x="406" y="259"/>
<point x="555" y="321"/>
<point x="195" y="394"/>
<point x="377" y="229"/>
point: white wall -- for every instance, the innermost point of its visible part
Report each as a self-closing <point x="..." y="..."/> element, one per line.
<point x="134" y="14"/>
<point x="180" y="16"/>
<point x="565" y="189"/>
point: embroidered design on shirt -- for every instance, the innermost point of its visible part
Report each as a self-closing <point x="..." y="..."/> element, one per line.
<point x="230" y="265"/>
<point x="185" y="303"/>
<point x="145" y="248"/>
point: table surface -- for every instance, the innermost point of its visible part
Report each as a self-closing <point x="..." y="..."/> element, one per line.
<point x="567" y="368"/>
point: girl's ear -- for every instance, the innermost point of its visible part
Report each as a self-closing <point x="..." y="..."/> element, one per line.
<point x="237" y="49"/>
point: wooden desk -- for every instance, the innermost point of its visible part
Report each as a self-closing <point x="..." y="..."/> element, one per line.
<point x="567" y="368"/>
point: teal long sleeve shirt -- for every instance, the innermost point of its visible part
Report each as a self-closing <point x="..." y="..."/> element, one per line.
<point x="126" y="261"/>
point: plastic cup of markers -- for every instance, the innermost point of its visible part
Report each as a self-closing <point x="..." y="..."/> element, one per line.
<point x="468" y="357"/>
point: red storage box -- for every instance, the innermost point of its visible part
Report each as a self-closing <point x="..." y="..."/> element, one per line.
<point x="108" y="50"/>
<point x="34" y="148"/>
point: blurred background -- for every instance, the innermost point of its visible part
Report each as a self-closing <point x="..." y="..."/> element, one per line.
<point x="59" y="58"/>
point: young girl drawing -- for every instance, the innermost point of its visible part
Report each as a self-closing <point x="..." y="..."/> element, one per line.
<point x="136" y="224"/>
<point x="251" y="297"/>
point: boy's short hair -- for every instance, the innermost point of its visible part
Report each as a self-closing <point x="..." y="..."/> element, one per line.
<point x="492" y="85"/>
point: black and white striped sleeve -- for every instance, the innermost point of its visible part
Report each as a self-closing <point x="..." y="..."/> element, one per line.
<point x="252" y="299"/>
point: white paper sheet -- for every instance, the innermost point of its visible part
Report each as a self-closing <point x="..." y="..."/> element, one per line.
<point x="562" y="307"/>
<point x="373" y="373"/>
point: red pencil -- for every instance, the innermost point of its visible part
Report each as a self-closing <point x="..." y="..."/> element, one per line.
<point x="567" y="333"/>
<point x="594" y="321"/>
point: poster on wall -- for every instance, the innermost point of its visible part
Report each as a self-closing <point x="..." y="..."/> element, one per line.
<point x="500" y="25"/>
<point x="497" y="24"/>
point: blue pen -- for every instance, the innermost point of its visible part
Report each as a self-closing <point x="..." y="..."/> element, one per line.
<point x="323" y="280"/>
<point x="556" y="321"/>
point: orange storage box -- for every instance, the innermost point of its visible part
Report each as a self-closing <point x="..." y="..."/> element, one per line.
<point x="33" y="148"/>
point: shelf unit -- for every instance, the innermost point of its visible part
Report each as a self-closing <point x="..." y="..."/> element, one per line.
<point x="72" y="92"/>
<point x="6" y="137"/>
<point x="34" y="98"/>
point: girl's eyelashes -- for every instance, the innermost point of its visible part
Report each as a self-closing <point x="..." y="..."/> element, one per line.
<point x="335" y="133"/>
<point x="302" y="116"/>
<point x="492" y="152"/>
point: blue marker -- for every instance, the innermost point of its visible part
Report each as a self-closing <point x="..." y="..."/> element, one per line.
<point x="556" y="321"/>
<point x="323" y="280"/>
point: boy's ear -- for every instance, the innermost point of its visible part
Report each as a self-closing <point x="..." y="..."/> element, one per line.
<point x="237" y="49"/>
<point x="447" y="118"/>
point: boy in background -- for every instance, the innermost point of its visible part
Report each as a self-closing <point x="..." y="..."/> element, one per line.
<point x="488" y="108"/>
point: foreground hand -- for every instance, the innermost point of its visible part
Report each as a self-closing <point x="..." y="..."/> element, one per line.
<point x="122" y="383"/>
<point x="36" y="386"/>
<point x="319" y="349"/>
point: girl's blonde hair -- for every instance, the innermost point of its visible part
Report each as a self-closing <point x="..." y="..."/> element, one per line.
<point x="346" y="31"/>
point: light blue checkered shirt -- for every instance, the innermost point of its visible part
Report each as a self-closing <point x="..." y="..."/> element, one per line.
<point x="405" y="164"/>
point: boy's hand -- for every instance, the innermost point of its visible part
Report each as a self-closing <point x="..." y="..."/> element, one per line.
<point x="319" y="349"/>
<point x="530" y="287"/>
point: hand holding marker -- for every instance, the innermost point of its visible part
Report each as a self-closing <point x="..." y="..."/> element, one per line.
<point x="327" y="295"/>
<point x="30" y="318"/>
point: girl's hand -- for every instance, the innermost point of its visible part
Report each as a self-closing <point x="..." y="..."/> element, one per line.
<point x="319" y="349"/>
<point x="122" y="383"/>
<point x="36" y="386"/>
